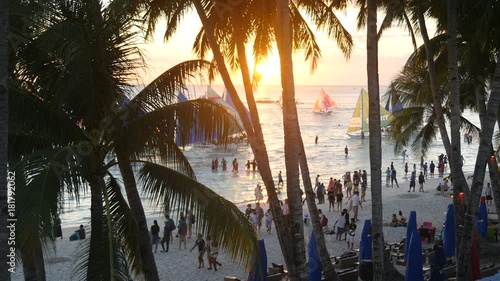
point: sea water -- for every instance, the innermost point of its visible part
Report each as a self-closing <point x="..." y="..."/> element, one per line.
<point x="325" y="158"/>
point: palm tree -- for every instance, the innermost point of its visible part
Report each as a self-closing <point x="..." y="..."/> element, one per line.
<point x="4" y="114"/>
<point x="150" y="112"/>
<point x="240" y="28"/>
<point x="375" y="141"/>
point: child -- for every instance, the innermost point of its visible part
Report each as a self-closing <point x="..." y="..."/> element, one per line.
<point x="352" y="233"/>
<point x="201" y="250"/>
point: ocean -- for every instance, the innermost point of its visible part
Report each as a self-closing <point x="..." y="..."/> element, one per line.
<point x="325" y="158"/>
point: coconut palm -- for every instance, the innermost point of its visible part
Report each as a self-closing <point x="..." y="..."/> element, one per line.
<point x="153" y="111"/>
<point x="4" y="61"/>
<point x="240" y="21"/>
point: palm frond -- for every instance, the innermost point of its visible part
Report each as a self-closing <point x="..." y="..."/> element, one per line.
<point x="325" y="19"/>
<point x="218" y="217"/>
<point x="42" y="179"/>
<point x="164" y="89"/>
<point x="116" y="254"/>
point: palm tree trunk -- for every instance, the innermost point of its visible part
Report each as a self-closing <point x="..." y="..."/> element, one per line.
<point x="96" y="223"/>
<point x="488" y="122"/>
<point x="328" y="269"/>
<point x="454" y="80"/>
<point x="4" y="114"/>
<point x="292" y="137"/>
<point x="494" y="180"/>
<point x="258" y="147"/>
<point x="148" y="261"/>
<point x="375" y="142"/>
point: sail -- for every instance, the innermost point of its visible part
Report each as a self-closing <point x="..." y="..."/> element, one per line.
<point x="230" y="102"/>
<point x="324" y="103"/>
<point x="393" y="104"/>
<point x="360" y="120"/>
<point x="211" y="94"/>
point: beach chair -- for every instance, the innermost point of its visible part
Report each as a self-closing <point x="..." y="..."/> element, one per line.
<point x="231" y="278"/>
<point x="427" y="224"/>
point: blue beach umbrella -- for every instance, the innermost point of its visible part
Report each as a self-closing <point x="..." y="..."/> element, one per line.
<point x="314" y="267"/>
<point x="365" y="244"/>
<point x="260" y="261"/>
<point x="449" y="232"/>
<point x="414" y="262"/>
<point x="412" y="225"/>
<point x="482" y="219"/>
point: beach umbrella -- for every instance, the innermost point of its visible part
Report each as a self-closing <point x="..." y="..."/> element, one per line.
<point x="365" y="244"/>
<point x="482" y="218"/>
<point x="259" y="268"/>
<point x="449" y="232"/>
<point x="412" y="225"/>
<point x="415" y="261"/>
<point x="314" y="267"/>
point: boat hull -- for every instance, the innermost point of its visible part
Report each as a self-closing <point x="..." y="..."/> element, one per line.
<point x="328" y="112"/>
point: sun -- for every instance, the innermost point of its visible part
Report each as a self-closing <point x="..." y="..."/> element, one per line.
<point x="268" y="70"/>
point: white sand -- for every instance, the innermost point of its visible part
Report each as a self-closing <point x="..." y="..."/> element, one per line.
<point x="182" y="265"/>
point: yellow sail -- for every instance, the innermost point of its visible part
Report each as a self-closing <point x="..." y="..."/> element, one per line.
<point x="360" y="120"/>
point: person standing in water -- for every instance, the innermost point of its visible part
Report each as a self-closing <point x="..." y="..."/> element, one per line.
<point x="316" y="139"/>
<point x="346" y="150"/>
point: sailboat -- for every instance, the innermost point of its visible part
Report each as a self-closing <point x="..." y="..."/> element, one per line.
<point x="324" y="103"/>
<point x="359" y="121"/>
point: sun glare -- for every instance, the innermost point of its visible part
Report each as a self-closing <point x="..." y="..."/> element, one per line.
<point x="269" y="70"/>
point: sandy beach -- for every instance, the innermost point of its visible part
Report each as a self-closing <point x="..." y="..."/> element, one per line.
<point x="182" y="264"/>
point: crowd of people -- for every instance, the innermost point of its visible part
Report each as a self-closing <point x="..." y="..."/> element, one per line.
<point x="250" y="165"/>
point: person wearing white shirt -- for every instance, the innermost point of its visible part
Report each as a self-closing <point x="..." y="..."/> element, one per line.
<point x="355" y="203"/>
<point x="340" y="223"/>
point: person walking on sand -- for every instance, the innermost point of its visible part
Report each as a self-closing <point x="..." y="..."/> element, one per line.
<point x="404" y="155"/>
<point x="351" y="233"/>
<point x="421" y="181"/>
<point x="167" y="232"/>
<point x="260" y="215"/>
<point x="269" y="220"/>
<point x="182" y="232"/>
<point x="412" y="182"/>
<point x="155" y="235"/>
<point x="201" y="250"/>
<point x="387" y="176"/>
<point x="214" y="253"/>
<point x="394" y="178"/>
<point x="346" y="151"/>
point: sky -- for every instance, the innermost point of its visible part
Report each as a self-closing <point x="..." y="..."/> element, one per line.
<point x="333" y="69"/>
